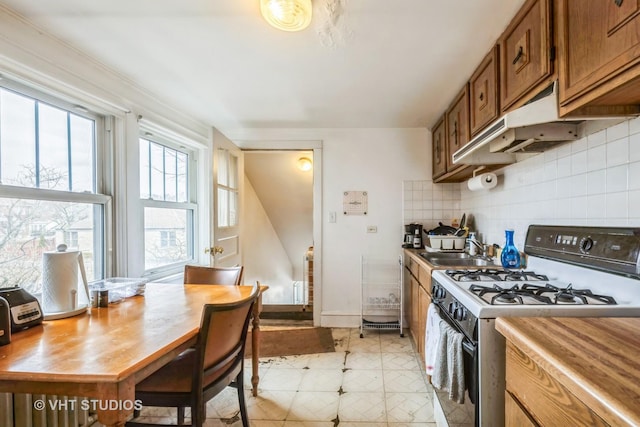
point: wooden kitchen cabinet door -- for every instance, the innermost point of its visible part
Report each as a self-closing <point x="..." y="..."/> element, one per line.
<point x="526" y="61"/>
<point x="457" y="126"/>
<point x="424" y="299"/>
<point x="439" y="154"/>
<point x="599" y="56"/>
<point x="484" y="94"/>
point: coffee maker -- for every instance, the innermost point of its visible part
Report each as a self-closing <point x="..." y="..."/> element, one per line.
<point x="412" y="236"/>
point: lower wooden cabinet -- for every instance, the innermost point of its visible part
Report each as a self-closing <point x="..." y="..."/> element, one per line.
<point x="537" y="396"/>
<point x="420" y="298"/>
<point x="514" y="414"/>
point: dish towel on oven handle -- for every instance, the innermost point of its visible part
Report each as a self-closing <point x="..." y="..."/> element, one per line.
<point x="448" y="370"/>
<point x="432" y="338"/>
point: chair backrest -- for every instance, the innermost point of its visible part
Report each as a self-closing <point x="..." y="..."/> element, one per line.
<point x="197" y="274"/>
<point x="223" y="334"/>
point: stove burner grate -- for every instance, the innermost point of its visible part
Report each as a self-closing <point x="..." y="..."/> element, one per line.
<point x="512" y="295"/>
<point x="494" y="275"/>
<point x="547" y="294"/>
<point x="569" y="295"/>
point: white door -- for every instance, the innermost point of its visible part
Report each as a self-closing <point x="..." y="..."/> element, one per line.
<point x="228" y="170"/>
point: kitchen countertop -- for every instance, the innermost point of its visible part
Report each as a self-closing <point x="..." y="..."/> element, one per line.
<point x="596" y="359"/>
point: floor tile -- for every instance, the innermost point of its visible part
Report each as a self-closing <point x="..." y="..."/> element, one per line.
<point x="281" y="379"/>
<point x="396" y="344"/>
<point x="300" y="361"/>
<point x="309" y="424"/>
<point x="270" y="405"/>
<point x="409" y="407"/>
<point x="314" y="406"/>
<point x="362" y="407"/>
<point x="368" y="344"/>
<point x="375" y="381"/>
<point x="363" y="380"/>
<point x="326" y="360"/>
<point x="404" y="381"/>
<point x="362" y="360"/>
<point x="321" y="380"/>
<point x="404" y="361"/>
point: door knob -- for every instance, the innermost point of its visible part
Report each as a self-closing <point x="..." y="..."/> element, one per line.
<point x="214" y="250"/>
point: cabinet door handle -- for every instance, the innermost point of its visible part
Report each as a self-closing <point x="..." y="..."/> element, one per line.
<point x="455" y="133"/>
<point x="519" y="55"/>
<point x="481" y="96"/>
<point x="618" y="2"/>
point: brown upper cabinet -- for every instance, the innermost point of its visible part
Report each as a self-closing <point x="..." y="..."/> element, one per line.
<point x="599" y="57"/>
<point x="439" y="155"/>
<point x="526" y="53"/>
<point x="457" y="125"/>
<point x="483" y="93"/>
<point x="449" y="135"/>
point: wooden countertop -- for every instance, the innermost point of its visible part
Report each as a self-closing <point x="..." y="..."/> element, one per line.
<point x="596" y="359"/>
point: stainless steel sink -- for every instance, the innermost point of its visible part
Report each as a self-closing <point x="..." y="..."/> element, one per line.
<point x="445" y="255"/>
<point x="463" y="262"/>
<point x="454" y="259"/>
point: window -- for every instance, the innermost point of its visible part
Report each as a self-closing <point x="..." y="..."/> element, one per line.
<point x="71" y="239"/>
<point x="227" y="189"/>
<point x="165" y="192"/>
<point x="49" y="191"/>
<point x="167" y="238"/>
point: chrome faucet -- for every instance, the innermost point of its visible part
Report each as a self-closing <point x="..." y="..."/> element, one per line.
<point x="483" y="248"/>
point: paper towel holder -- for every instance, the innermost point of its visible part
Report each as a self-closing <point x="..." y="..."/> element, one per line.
<point x="67" y="260"/>
<point x="482" y="179"/>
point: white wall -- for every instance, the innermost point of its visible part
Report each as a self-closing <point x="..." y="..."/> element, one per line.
<point x="374" y="160"/>
<point x="264" y="257"/>
<point x="593" y="181"/>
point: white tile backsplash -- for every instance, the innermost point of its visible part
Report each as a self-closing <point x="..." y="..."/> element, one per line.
<point x="428" y="203"/>
<point x="592" y="181"/>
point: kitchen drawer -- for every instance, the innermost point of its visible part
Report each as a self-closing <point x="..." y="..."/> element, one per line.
<point x="424" y="277"/>
<point x="545" y="399"/>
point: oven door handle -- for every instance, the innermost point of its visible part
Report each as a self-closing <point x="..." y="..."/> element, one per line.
<point x="468" y="347"/>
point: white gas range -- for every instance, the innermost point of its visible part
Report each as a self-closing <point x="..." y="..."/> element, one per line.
<point x="571" y="272"/>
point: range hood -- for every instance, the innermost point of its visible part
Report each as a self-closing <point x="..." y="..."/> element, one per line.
<point x="530" y="129"/>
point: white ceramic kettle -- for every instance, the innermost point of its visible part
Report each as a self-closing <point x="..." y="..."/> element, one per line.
<point x="60" y="284"/>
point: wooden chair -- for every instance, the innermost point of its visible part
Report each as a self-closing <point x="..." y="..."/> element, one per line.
<point x="213" y="275"/>
<point x="198" y="374"/>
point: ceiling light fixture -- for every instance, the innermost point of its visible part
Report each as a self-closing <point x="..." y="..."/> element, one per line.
<point x="287" y="15"/>
<point x="305" y="164"/>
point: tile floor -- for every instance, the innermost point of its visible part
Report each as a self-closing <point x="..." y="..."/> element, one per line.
<point x="373" y="381"/>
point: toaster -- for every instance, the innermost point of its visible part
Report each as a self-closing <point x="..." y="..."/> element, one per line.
<point x="24" y="308"/>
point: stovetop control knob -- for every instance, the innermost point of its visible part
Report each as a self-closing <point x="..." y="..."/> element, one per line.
<point x="439" y="292"/>
<point x="586" y="244"/>
<point x="459" y="313"/>
<point x="452" y="307"/>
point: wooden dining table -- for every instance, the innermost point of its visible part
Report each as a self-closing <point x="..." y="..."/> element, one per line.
<point x="102" y="354"/>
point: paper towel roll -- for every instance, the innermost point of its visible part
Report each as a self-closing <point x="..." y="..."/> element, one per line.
<point x="483" y="181"/>
<point x="59" y="281"/>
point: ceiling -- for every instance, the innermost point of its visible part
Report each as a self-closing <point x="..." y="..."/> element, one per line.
<point x="361" y="63"/>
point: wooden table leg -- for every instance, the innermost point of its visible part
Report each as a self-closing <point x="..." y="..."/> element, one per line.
<point x="255" y="346"/>
<point x="116" y="403"/>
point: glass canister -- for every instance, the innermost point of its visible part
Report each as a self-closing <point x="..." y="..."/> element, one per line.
<point x="510" y="257"/>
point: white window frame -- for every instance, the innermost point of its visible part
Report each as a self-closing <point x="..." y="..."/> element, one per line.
<point x="225" y="156"/>
<point x="102" y="169"/>
<point x="160" y="136"/>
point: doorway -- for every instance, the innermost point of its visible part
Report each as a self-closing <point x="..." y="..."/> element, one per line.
<point x="279" y="230"/>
